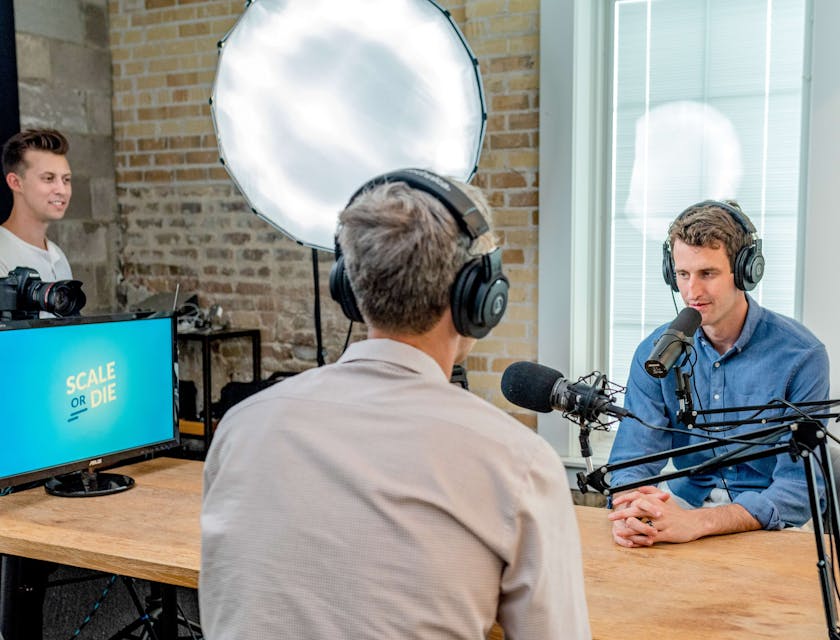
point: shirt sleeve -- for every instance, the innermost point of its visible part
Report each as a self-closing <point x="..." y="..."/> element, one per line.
<point x="785" y="501"/>
<point x="542" y="588"/>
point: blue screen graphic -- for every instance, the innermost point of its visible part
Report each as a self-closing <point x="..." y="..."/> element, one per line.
<point x="84" y="391"/>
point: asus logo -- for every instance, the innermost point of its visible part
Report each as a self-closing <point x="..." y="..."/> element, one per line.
<point x="95" y="462"/>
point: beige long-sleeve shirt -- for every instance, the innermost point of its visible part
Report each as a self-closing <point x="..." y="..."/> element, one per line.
<point x="371" y="499"/>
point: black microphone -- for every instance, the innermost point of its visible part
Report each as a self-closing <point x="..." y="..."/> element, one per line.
<point x="672" y="343"/>
<point x="539" y="388"/>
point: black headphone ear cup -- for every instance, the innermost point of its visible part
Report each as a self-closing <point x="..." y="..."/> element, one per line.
<point x="479" y="296"/>
<point x="459" y="299"/>
<point x="668" y="267"/>
<point x="739" y="269"/>
<point x="342" y="292"/>
<point x="756" y="268"/>
<point x="749" y="267"/>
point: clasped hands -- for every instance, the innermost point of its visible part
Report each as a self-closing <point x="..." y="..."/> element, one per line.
<point x="647" y="515"/>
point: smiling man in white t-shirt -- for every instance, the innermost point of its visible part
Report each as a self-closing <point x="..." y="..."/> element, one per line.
<point x="35" y="168"/>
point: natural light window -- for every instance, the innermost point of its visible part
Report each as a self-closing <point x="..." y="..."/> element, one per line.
<point x="707" y="102"/>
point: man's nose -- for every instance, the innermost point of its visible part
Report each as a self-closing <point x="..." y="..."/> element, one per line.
<point x="694" y="285"/>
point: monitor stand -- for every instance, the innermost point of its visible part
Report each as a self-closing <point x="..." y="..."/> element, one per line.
<point x="86" y="484"/>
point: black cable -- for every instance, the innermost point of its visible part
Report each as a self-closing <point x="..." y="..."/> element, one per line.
<point x="783" y="428"/>
<point x="95" y="608"/>
<point x="319" y="344"/>
<point x="715" y="454"/>
<point x="347" y="337"/>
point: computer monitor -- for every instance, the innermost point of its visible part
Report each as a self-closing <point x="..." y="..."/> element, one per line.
<point x="81" y="394"/>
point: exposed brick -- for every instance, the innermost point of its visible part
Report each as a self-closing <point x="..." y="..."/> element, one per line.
<point x="509" y="140"/>
<point x="524" y="120"/>
<point x="511" y="102"/>
<point x="151" y="144"/>
<point x="163" y="69"/>
<point x="193" y="29"/>
<point x="157" y="4"/>
<point x="524" y="199"/>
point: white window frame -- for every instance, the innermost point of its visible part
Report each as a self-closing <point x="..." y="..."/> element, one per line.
<point x="574" y="200"/>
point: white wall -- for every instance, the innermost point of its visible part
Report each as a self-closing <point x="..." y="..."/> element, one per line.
<point x="821" y="293"/>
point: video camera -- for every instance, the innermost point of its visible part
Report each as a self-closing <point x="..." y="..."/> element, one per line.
<point x="23" y="295"/>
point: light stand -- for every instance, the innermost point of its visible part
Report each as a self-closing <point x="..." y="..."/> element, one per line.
<point x="807" y="438"/>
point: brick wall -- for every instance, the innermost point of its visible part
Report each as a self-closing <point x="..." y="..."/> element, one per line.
<point x="64" y="81"/>
<point x="184" y="222"/>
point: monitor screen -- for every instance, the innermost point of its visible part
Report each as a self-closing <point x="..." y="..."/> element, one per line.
<point x="84" y="393"/>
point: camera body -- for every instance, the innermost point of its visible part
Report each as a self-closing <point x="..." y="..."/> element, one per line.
<point x="24" y="295"/>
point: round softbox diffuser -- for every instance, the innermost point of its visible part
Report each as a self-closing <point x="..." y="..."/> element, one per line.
<point x="312" y="98"/>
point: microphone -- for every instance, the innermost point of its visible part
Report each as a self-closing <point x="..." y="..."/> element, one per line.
<point x="671" y="344"/>
<point x="539" y="388"/>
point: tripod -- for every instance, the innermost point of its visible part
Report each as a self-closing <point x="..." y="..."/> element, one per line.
<point x="160" y="617"/>
<point x="808" y="438"/>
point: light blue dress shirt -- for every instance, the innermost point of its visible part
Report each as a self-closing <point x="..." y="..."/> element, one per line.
<point x="774" y="357"/>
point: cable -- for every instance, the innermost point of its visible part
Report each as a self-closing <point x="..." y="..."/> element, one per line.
<point x="783" y="428"/>
<point x="319" y="343"/>
<point x="95" y="608"/>
<point x="347" y="338"/>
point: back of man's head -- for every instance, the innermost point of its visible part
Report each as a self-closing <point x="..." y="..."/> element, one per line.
<point x="31" y="140"/>
<point x="403" y="250"/>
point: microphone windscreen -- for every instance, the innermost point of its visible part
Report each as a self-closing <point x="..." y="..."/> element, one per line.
<point x="529" y="385"/>
<point x="687" y="321"/>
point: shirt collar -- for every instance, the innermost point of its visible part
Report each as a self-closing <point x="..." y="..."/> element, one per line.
<point x="394" y="352"/>
<point x="754" y="315"/>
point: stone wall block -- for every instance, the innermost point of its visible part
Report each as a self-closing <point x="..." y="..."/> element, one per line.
<point x="76" y="66"/>
<point x="33" y="57"/>
<point x="103" y="199"/>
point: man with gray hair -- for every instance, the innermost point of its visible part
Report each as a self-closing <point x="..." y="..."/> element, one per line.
<point x="371" y="498"/>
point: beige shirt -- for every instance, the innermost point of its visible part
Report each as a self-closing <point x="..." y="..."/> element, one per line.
<point x="371" y="499"/>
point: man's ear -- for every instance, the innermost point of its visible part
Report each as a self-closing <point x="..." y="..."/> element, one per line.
<point x="13" y="181"/>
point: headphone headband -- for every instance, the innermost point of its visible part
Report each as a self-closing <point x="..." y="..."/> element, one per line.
<point x="458" y="203"/>
<point x="734" y="212"/>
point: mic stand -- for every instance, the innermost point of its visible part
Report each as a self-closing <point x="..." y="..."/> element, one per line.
<point x="808" y="437"/>
<point x="686" y="414"/>
<point x="585" y="449"/>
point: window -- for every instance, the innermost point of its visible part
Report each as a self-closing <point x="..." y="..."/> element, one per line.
<point x="707" y="103"/>
<point x="647" y="107"/>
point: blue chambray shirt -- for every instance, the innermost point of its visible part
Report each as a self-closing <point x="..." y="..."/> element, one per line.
<point x="774" y="357"/>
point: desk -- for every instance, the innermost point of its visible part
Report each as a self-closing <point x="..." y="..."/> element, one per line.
<point x="760" y="584"/>
<point x="150" y="532"/>
<point x="756" y="585"/>
<point x="207" y="337"/>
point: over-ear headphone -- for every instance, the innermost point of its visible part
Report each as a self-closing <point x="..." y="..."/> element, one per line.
<point x="480" y="292"/>
<point x="749" y="262"/>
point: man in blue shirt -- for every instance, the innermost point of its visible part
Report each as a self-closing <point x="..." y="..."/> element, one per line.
<point x="745" y="355"/>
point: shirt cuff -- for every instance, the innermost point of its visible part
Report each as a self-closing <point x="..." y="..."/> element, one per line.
<point x="761" y="509"/>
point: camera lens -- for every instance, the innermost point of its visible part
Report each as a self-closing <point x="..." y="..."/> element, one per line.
<point x="62" y="298"/>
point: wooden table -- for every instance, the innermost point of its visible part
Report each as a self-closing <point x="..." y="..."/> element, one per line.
<point x="760" y="584"/>
<point x="150" y="532"/>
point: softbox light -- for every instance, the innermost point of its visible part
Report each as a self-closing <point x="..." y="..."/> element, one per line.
<point x="314" y="97"/>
